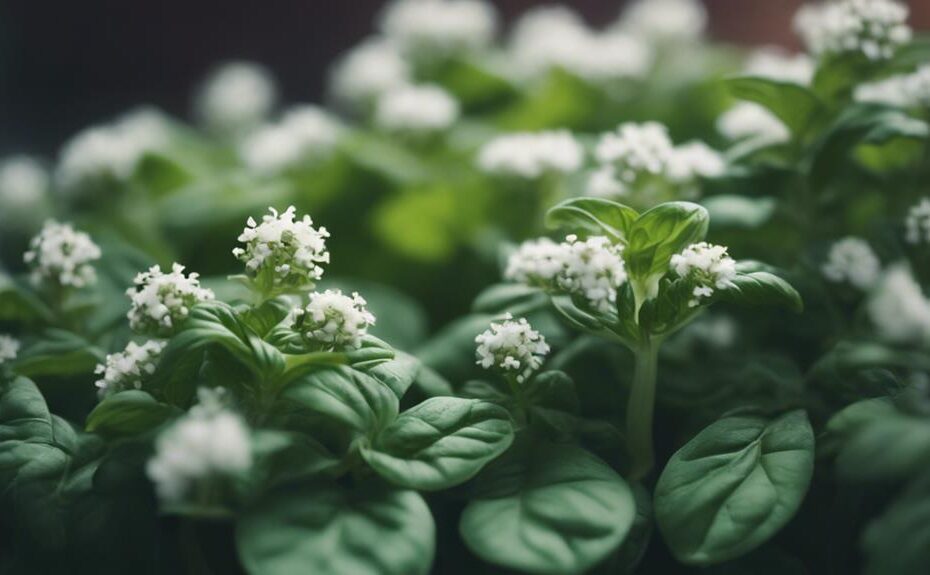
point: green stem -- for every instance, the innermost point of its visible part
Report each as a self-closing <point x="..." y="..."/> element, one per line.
<point x="640" y="409"/>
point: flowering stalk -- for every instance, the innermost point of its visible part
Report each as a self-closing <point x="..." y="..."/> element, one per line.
<point x="641" y="406"/>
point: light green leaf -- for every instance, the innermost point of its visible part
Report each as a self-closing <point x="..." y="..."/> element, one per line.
<point x="593" y="217"/>
<point x="440" y="443"/>
<point x="662" y="232"/>
<point x="733" y="486"/>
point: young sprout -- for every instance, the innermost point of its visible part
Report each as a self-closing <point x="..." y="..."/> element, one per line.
<point x="209" y="443"/>
<point x="161" y="301"/>
<point x="917" y="223"/>
<point x="9" y="347"/>
<point x="60" y="257"/>
<point x="708" y="266"/>
<point x="873" y="28"/>
<point x="282" y="254"/>
<point x="853" y="261"/>
<point x="129" y="368"/>
<point x="334" y="320"/>
<point x="512" y="347"/>
<point x="416" y="110"/>
<point x="531" y="155"/>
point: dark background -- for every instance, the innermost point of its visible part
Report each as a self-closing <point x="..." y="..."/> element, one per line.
<point x="65" y="64"/>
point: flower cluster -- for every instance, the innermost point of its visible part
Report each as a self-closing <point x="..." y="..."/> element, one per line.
<point x="531" y="155"/>
<point x="852" y="260"/>
<point x="333" y="319"/>
<point x="61" y="256"/>
<point x="282" y="251"/>
<point x="24" y="185"/>
<point x="708" y="266"/>
<point x="748" y="120"/>
<point x="210" y="442"/>
<point x="636" y="150"/>
<point x="304" y="133"/>
<point x="236" y="97"/>
<point x="128" y="368"/>
<point x="9" y="347"/>
<point x="160" y="301"/>
<point x="917" y="223"/>
<point x="592" y="269"/>
<point x="105" y="154"/>
<point x="899" y="309"/>
<point x="431" y="29"/>
<point x="369" y="70"/>
<point x="420" y="109"/>
<point x="776" y="64"/>
<point x="513" y="347"/>
<point x="666" y="21"/>
<point x="694" y="160"/>
<point x="874" y="28"/>
<point x="906" y="91"/>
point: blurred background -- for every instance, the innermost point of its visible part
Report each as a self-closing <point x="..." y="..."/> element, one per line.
<point x="64" y="65"/>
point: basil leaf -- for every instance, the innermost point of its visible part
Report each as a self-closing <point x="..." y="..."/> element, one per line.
<point x="398" y="374"/>
<point x="899" y="541"/>
<point x="18" y="303"/>
<point x="440" y="443"/>
<point x="660" y="233"/>
<point x="327" y="529"/>
<point x="593" y="217"/>
<point x="733" y="486"/>
<point x="793" y="104"/>
<point x="58" y="353"/>
<point x="547" y="508"/>
<point x="129" y="413"/>
<point x="762" y="288"/>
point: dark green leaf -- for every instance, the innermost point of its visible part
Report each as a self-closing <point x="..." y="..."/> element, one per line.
<point x="898" y="542"/>
<point x="129" y="413"/>
<point x="761" y="288"/>
<point x="793" y="104"/>
<point x="58" y="353"/>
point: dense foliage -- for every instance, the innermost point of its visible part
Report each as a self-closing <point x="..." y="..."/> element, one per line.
<point x="604" y="301"/>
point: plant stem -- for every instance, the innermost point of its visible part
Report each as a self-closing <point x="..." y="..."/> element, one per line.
<point x="640" y="408"/>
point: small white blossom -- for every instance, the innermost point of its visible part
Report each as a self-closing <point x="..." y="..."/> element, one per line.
<point x="899" y="309"/>
<point x="716" y="331"/>
<point x="603" y="183"/>
<point x="873" y="28"/>
<point x="416" y="110"/>
<point x="708" y="266"/>
<point x="306" y="133"/>
<point x="748" y="120"/>
<point x="209" y="443"/>
<point x="160" y="301"/>
<point x="593" y="269"/>
<point x="776" y="64"/>
<point x="695" y="160"/>
<point x="369" y="70"/>
<point x="283" y="251"/>
<point x="536" y="262"/>
<point x="531" y="154"/>
<point x="236" y="97"/>
<point x="435" y="29"/>
<point x="24" y="185"/>
<point x="905" y="91"/>
<point x="129" y="368"/>
<point x="60" y="255"/>
<point x="333" y="319"/>
<point x="665" y="21"/>
<point x="917" y="223"/>
<point x="9" y="347"/>
<point x="852" y="260"/>
<point x="636" y="150"/>
<point x="513" y="347"/>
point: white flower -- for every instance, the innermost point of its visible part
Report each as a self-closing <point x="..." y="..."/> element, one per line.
<point x="369" y="70"/>
<point x="531" y="155"/>
<point x="899" y="309"/>
<point x="208" y="443"/>
<point x="435" y="29"/>
<point x="105" y="154"/>
<point x="708" y="266"/>
<point x="333" y="319"/>
<point x="776" y="64"/>
<point x="513" y="347"/>
<point x="306" y="133"/>
<point x="917" y="223"/>
<point x="636" y="150"/>
<point x="236" y="97"/>
<point x="695" y="160"/>
<point x="60" y="255"/>
<point x="9" y="347"/>
<point x="603" y="183"/>
<point x="24" y="185"/>
<point x="416" y="110"/>
<point x="282" y="251"/>
<point x="750" y="120"/>
<point x="665" y="21"/>
<point x="128" y="368"/>
<point x="905" y="91"/>
<point x="160" y="301"/>
<point x="874" y="28"/>
<point x="852" y="260"/>
<point x="536" y="262"/>
<point x="716" y="331"/>
<point x="593" y="269"/>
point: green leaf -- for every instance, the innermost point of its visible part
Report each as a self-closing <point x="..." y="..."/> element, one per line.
<point x="733" y="486"/>
<point x="898" y="542"/>
<point x="58" y="353"/>
<point x="500" y="298"/>
<point x="547" y="508"/>
<point x="398" y="374"/>
<point x="440" y="443"/>
<point x="18" y="303"/>
<point x="662" y="232"/>
<point x="761" y="288"/>
<point x="129" y="413"/>
<point x="593" y="217"/>
<point x="793" y="104"/>
<point x="326" y="529"/>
